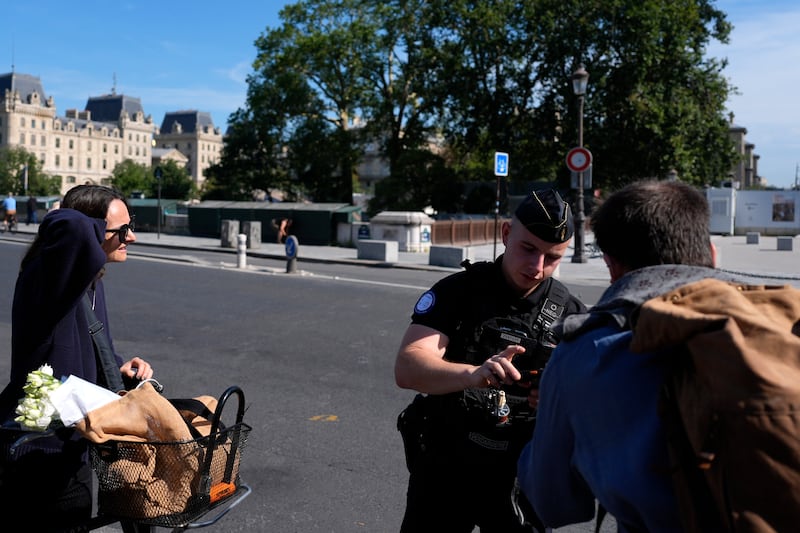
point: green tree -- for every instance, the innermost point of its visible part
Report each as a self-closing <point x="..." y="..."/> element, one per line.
<point x="481" y="59"/>
<point x="460" y="79"/>
<point x="129" y="176"/>
<point x="654" y="101"/>
<point x="14" y="161"/>
<point x="334" y="77"/>
<point x="176" y="183"/>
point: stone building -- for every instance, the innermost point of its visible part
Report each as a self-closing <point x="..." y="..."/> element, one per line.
<point x="85" y="146"/>
<point x="80" y="146"/>
<point x="194" y="135"/>
<point x="744" y="174"/>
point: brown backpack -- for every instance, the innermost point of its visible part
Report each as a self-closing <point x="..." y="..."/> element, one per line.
<point x="732" y="404"/>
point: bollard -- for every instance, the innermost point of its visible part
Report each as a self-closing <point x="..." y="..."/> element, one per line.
<point x="291" y="254"/>
<point x="242" y="249"/>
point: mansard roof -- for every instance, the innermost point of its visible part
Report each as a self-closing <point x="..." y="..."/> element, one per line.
<point x="191" y="121"/>
<point x="107" y="108"/>
<point x="24" y="83"/>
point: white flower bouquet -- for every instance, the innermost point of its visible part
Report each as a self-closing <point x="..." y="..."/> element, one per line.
<point x="36" y="411"/>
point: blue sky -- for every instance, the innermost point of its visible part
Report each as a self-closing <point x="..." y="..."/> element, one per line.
<point x="197" y="55"/>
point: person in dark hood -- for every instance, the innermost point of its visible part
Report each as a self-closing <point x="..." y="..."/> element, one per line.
<point x="60" y="278"/>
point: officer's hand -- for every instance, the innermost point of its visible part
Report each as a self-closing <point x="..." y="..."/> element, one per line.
<point x="498" y="370"/>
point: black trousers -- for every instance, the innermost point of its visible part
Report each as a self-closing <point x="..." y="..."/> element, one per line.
<point x="448" y="494"/>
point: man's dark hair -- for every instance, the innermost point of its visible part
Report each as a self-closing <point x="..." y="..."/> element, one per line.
<point x="653" y="222"/>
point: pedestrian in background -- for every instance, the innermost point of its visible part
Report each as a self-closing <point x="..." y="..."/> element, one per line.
<point x="10" y="210"/>
<point x="33" y="217"/>
<point x="471" y="337"/>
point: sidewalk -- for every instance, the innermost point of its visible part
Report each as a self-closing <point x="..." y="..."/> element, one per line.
<point x="594" y="269"/>
<point x="734" y="254"/>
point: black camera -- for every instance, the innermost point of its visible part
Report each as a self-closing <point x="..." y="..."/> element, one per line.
<point x="496" y="338"/>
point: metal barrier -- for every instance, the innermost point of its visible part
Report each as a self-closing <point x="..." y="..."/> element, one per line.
<point x="466" y="232"/>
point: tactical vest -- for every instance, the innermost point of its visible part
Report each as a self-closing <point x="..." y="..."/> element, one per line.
<point x="482" y="334"/>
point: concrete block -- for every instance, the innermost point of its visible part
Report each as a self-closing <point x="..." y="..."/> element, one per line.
<point x="785" y="243"/>
<point x="752" y="237"/>
<point x="229" y="233"/>
<point x="449" y="256"/>
<point x="252" y="229"/>
<point x="386" y="251"/>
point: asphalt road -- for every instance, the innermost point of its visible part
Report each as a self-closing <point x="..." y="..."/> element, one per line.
<point x="313" y="352"/>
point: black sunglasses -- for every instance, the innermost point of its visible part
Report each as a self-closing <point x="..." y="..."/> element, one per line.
<point x="122" y="231"/>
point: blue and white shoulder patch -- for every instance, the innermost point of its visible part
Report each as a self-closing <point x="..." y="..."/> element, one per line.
<point x="425" y="303"/>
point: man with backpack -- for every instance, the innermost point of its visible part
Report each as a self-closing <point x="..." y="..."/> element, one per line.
<point x="665" y="343"/>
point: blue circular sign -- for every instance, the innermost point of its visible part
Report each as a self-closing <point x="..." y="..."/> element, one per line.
<point x="291" y="247"/>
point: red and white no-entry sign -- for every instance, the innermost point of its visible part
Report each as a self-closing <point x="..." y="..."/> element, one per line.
<point x="579" y="159"/>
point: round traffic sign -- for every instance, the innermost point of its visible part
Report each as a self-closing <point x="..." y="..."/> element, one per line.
<point x="291" y="247"/>
<point x="579" y="159"/>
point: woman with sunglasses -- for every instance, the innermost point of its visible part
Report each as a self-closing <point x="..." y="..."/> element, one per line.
<point x="60" y="277"/>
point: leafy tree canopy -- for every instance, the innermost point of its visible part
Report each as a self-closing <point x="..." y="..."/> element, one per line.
<point x="129" y="176"/>
<point x="176" y="183"/>
<point x="436" y="87"/>
<point x="14" y="163"/>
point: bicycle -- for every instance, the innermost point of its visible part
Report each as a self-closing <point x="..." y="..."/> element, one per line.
<point x="10" y="223"/>
<point x="216" y="486"/>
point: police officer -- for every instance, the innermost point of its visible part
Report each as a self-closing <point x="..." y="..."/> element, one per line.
<point x="477" y="342"/>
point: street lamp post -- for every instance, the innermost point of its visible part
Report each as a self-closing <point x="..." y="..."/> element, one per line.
<point x="158" y="174"/>
<point x="580" y="78"/>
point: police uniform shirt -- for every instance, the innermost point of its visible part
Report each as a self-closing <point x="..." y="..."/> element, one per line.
<point x="461" y="302"/>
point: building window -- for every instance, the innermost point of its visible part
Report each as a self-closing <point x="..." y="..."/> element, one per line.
<point x="89" y="162"/>
<point x="43" y="140"/>
<point x="116" y="149"/>
<point x="105" y="148"/>
<point x="70" y="179"/>
<point x="130" y="151"/>
<point x="137" y="151"/>
<point x="58" y="142"/>
<point x="71" y="144"/>
<point x="105" y="164"/>
<point x="22" y="121"/>
<point x="33" y="123"/>
<point x="58" y="160"/>
<point x="42" y="159"/>
<point x="89" y="146"/>
<point x="33" y="139"/>
<point x="69" y="162"/>
<point x="21" y="138"/>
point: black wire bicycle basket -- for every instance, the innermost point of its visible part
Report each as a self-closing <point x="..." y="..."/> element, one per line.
<point x="169" y="484"/>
